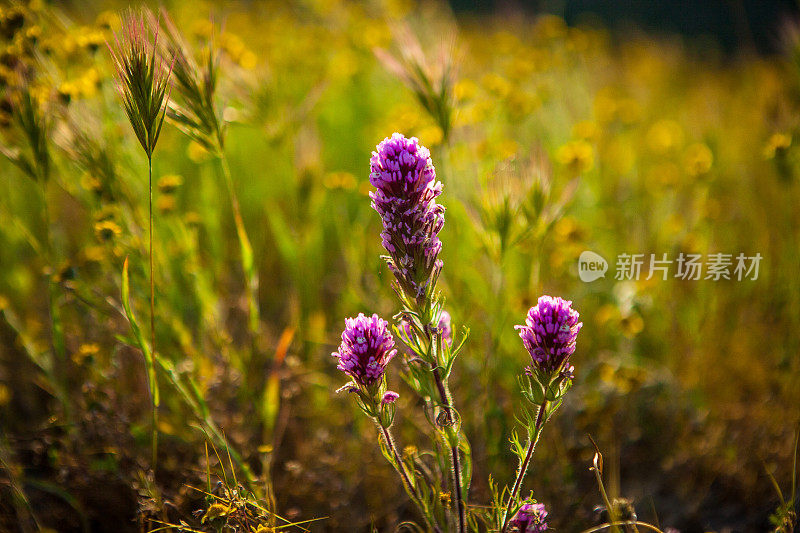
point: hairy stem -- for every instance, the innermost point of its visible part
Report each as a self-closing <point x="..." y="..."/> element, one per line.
<point x="401" y="468"/>
<point x="387" y="437"/>
<point x="448" y="403"/>
<point x="537" y="431"/>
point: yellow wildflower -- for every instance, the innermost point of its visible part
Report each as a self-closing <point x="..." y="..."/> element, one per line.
<point x="85" y="351"/>
<point x="698" y="159"/>
<point x="776" y="144"/>
<point x="664" y="135"/>
<point x="107" y="230"/>
<point x="169" y="183"/>
<point x="576" y="155"/>
<point x="339" y="180"/>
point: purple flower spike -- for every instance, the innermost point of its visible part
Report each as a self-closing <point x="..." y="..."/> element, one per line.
<point x="531" y="518"/>
<point x="367" y="347"/>
<point x="405" y="197"/>
<point x="549" y="333"/>
<point x="389" y="397"/>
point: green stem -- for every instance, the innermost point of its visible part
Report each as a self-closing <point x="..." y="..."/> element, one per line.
<point x="612" y="515"/>
<point x="409" y="486"/>
<point x="537" y="431"/>
<point x="152" y="373"/>
<point x="57" y="330"/>
<point x="245" y="248"/>
<point x="446" y="399"/>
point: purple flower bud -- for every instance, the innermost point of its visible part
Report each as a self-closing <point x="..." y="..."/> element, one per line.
<point x="531" y="518"/>
<point x="549" y="333"/>
<point x="405" y="197"/>
<point x="389" y="397"/>
<point x="367" y="347"/>
<point x="445" y="327"/>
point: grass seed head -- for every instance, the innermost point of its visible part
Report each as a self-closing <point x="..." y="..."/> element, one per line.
<point x="144" y="74"/>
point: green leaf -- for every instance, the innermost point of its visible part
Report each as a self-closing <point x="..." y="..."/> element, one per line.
<point x="138" y="335"/>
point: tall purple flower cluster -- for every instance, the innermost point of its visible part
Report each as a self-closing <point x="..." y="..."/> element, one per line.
<point x="367" y="347"/>
<point x="549" y="333"/>
<point x="531" y="518"/>
<point x="402" y="172"/>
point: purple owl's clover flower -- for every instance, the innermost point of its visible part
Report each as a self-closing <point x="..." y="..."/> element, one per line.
<point x="367" y="347"/>
<point x="549" y="336"/>
<point x="402" y="172"/>
<point x="531" y="518"/>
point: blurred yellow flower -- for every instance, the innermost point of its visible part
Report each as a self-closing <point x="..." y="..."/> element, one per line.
<point x="339" y="180"/>
<point x="697" y="159"/>
<point x="109" y="20"/>
<point x="631" y="325"/>
<point x="107" y="212"/>
<point x="496" y="84"/>
<point x="197" y="153"/>
<point x="33" y="33"/>
<point x="5" y="395"/>
<point x="248" y="60"/>
<point x="107" y="230"/>
<point x="664" y="135"/>
<point x="90" y="39"/>
<point x="520" y="104"/>
<point x="67" y="91"/>
<point x="521" y="68"/>
<point x="465" y="89"/>
<point x="169" y="183"/>
<point x="576" y="155"/>
<point x="777" y="143"/>
<point x="85" y="351"/>
<point x="91" y="183"/>
<point x="430" y="135"/>
<point x="94" y="254"/>
<point x="192" y="218"/>
<point x="605" y="314"/>
<point x="166" y="203"/>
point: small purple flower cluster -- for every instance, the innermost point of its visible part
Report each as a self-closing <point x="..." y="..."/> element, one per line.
<point x="367" y="347"/>
<point x="405" y="197"/>
<point x="549" y="334"/>
<point x="531" y="518"/>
